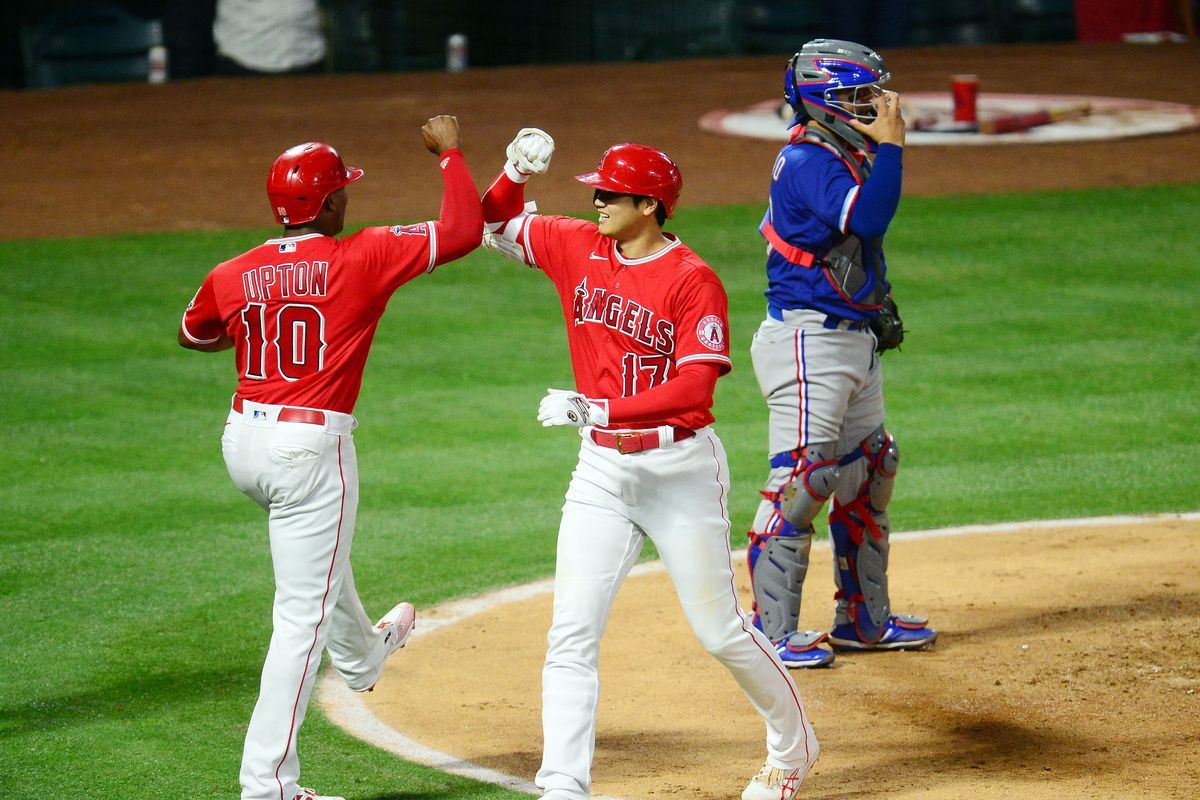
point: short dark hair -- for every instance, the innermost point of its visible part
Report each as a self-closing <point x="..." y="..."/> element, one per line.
<point x="660" y="211"/>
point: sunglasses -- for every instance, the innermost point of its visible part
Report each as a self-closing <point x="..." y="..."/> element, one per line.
<point x="608" y="197"/>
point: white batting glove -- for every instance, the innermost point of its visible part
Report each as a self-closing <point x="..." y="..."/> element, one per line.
<point x="565" y="407"/>
<point x="496" y="242"/>
<point x="530" y="152"/>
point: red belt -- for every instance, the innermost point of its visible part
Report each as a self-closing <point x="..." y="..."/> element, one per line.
<point x="626" y="443"/>
<point x="290" y="414"/>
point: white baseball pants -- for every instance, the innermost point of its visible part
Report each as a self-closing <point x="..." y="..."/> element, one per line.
<point x="306" y="477"/>
<point x="677" y="497"/>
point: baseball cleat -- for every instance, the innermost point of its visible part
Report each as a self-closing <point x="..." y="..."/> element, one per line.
<point x="309" y="794"/>
<point x="901" y="632"/>
<point x="397" y="626"/>
<point x="802" y="650"/>
<point x="773" y="783"/>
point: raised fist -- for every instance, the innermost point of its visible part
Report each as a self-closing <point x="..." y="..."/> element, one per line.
<point x="441" y="133"/>
<point x="530" y="152"/>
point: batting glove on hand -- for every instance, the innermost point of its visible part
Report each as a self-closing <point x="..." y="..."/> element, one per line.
<point x="509" y="249"/>
<point x="565" y="407"/>
<point x="531" y="151"/>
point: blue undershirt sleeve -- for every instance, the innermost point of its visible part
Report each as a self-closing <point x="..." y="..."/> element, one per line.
<point x="880" y="194"/>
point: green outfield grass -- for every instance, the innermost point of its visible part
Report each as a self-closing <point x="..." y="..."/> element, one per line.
<point x="1050" y="371"/>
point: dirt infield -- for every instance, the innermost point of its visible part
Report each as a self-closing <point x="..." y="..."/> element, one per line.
<point x="1105" y="700"/>
<point x="1068" y="667"/>
<point x="194" y="154"/>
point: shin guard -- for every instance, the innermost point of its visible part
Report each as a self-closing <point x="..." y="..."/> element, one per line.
<point x="778" y="557"/>
<point x="858" y="529"/>
<point x="815" y="479"/>
<point x="778" y="564"/>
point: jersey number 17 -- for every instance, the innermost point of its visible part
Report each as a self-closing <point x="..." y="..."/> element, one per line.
<point x="639" y="373"/>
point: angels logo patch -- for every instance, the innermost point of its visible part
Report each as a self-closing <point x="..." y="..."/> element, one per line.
<point x="711" y="332"/>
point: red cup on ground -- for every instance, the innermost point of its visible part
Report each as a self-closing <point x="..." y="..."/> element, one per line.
<point x="965" y="90"/>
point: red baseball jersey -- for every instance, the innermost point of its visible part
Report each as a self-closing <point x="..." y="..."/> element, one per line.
<point x="302" y="310"/>
<point x="631" y="322"/>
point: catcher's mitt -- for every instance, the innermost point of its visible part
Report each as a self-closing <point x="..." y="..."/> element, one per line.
<point x="888" y="327"/>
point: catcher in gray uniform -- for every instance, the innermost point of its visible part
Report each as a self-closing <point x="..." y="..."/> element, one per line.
<point x="834" y="190"/>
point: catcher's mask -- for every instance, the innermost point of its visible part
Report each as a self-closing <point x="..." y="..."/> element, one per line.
<point x="301" y="179"/>
<point x="833" y="81"/>
<point x="640" y="170"/>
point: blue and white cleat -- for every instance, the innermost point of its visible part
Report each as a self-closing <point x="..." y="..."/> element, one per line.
<point x="802" y="650"/>
<point x="900" y="632"/>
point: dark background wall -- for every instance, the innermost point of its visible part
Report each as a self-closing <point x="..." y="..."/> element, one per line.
<point x="405" y="35"/>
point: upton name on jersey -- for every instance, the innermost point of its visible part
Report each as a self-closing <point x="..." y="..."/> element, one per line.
<point x="299" y="279"/>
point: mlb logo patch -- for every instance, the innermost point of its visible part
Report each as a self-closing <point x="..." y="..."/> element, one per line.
<point x="287" y="247"/>
<point x="260" y="414"/>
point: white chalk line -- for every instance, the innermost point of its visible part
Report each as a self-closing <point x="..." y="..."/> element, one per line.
<point x="347" y="710"/>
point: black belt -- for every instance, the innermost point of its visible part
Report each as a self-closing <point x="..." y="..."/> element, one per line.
<point x="831" y="321"/>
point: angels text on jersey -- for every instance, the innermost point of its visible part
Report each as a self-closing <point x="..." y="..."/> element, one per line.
<point x="604" y="307"/>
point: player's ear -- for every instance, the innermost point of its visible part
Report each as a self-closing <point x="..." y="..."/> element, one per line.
<point x="653" y="207"/>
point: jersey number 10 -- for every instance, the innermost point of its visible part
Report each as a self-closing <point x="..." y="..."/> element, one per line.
<point x="299" y="342"/>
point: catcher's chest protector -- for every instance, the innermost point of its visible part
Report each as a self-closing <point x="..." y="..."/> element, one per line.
<point x="844" y="264"/>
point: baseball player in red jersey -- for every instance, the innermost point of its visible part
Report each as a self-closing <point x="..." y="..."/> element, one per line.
<point x="300" y="311"/>
<point x="648" y="336"/>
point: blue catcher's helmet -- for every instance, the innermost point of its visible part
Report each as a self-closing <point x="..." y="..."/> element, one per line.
<point x="816" y="75"/>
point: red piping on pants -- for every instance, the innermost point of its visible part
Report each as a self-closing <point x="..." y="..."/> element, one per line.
<point x="308" y="659"/>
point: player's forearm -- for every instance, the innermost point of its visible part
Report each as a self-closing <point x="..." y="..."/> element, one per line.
<point x="505" y="198"/>
<point x="461" y="217"/>
<point x="692" y="388"/>
<point x="880" y="194"/>
<point x="223" y="343"/>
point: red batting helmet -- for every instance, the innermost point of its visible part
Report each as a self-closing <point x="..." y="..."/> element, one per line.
<point x="301" y="179"/>
<point x="637" y="169"/>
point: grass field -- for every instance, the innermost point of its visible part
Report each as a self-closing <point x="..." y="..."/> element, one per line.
<point x="1050" y="371"/>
